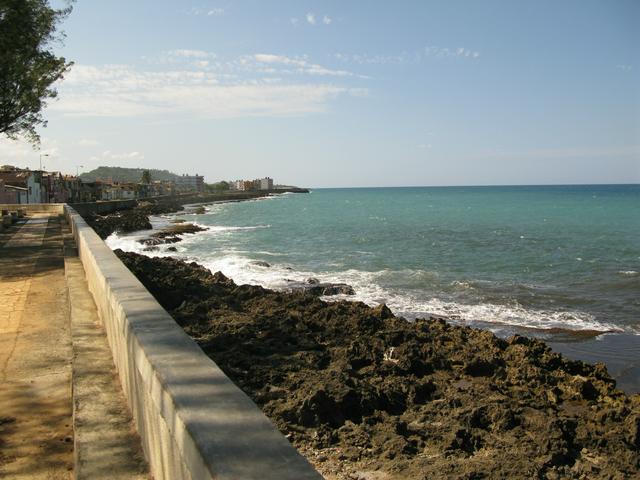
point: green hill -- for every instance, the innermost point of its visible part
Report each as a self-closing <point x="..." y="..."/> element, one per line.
<point x="122" y="174"/>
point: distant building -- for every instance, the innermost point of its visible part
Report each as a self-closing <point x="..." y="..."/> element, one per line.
<point x="241" y="185"/>
<point x="265" y="183"/>
<point x="30" y="181"/>
<point x="9" y="194"/>
<point x="190" y="183"/>
<point x="16" y="194"/>
<point x="119" y="191"/>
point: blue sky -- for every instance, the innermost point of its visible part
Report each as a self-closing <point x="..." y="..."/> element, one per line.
<point x="351" y="93"/>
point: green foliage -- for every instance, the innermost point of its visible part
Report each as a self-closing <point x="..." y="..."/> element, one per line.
<point x="28" y="67"/>
<point x="146" y="177"/>
<point x="128" y="175"/>
<point x="217" y="187"/>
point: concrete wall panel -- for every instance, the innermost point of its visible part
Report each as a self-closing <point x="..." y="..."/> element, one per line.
<point x="193" y="421"/>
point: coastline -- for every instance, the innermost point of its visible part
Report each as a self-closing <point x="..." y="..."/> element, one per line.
<point x="354" y="415"/>
<point x="137" y="218"/>
<point x="616" y="348"/>
<point x="365" y="394"/>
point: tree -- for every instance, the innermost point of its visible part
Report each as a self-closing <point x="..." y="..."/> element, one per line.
<point x="28" y="67"/>
<point x="146" y="177"/>
<point x="217" y="187"/>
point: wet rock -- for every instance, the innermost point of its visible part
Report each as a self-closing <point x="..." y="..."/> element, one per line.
<point x="121" y="222"/>
<point x="324" y="289"/>
<point x="382" y="311"/>
<point x="260" y="263"/>
<point x="365" y="390"/>
<point x="158" y="207"/>
<point x="171" y="234"/>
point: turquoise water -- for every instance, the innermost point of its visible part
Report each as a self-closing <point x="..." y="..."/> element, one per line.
<point x="539" y="257"/>
<point x="543" y="261"/>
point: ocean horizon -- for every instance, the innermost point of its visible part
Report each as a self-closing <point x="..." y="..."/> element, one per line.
<point x="498" y="185"/>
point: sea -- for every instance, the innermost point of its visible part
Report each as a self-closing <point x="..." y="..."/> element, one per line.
<point x="560" y="263"/>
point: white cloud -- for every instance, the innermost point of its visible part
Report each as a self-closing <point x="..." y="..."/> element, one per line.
<point x="359" y="92"/>
<point x="270" y="58"/>
<point x="13" y="150"/>
<point x="109" y="155"/>
<point x="21" y="153"/>
<point x="443" y="52"/>
<point x="294" y="21"/>
<point x="206" y="12"/>
<point x="311" y="18"/>
<point x="87" y="142"/>
<point x="122" y="91"/>
<point x="186" y="53"/>
<point x="326" y="20"/>
<point x="406" y="57"/>
<point x="625" y="68"/>
<point x="366" y="59"/>
<point x="302" y="65"/>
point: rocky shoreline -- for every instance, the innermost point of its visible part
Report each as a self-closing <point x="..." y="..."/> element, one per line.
<point x="137" y="218"/>
<point x="364" y="394"/>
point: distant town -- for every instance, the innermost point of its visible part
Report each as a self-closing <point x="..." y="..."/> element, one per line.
<point x="25" y="186"/>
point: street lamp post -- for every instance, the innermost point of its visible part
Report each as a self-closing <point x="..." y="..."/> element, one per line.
<point x="42" y="155"/>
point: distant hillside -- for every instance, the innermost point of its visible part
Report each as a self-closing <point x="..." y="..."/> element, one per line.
<point x="121" y="174"/>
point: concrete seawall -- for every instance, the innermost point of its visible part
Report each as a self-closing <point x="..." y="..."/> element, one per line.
<point x="102" y="208"/>
<point x="193" y="421"/>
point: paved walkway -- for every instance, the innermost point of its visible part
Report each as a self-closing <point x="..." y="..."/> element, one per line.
<point x="36" y="431"/>
<point x="37" y="368"/>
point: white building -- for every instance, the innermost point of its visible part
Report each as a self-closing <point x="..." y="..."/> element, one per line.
<point x="236" y="185"/>
<point x="266" y="183"/>
<point x="190" y="183"/>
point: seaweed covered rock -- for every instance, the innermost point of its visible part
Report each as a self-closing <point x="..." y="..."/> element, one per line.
<point x="365" y="394"/>
<point x="122" y="222"/>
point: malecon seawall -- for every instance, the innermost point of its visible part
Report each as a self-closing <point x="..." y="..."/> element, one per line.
<point x="194" y="423"/>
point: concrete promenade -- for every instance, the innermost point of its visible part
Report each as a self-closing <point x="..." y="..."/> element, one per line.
<point x="97" y="381"/>
<point x="50" y="338"/>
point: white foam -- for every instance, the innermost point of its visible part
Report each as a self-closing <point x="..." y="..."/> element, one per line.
<point x="410" y="306"/>
<point x="222" y="228"/>
<point x="629" y="273"/>
<point x="237" y="264"/>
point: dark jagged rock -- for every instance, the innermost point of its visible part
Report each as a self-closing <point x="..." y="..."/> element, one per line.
<point x="259" y="263"/>
<point x="171" y="234"/>
<point x="160" y="208"/>
<point x="314" y="287"/>
<point x="121" y="222"/>
<point x="359" y="390"/>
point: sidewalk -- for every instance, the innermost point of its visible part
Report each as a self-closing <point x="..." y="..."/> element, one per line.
<point x="36" y="431"/>
<point x="49" y="339"/>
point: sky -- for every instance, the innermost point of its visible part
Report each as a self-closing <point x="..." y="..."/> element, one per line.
<point x="350" y="93"/>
